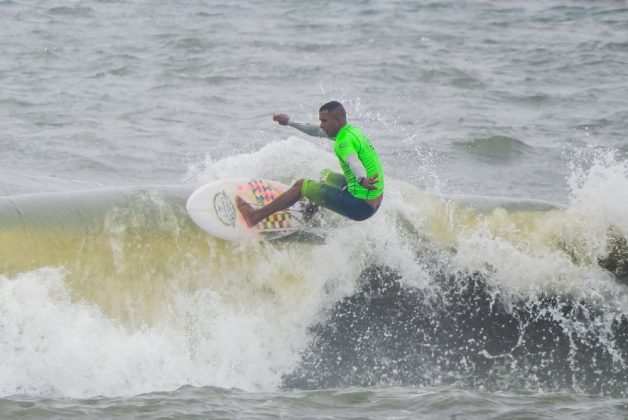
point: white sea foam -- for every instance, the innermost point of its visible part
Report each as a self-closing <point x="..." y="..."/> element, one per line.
<point x="281" y="160"/>
<point x="134" y="312"/>
<point x="556" y="250"/>
<point x="240" y="335"/>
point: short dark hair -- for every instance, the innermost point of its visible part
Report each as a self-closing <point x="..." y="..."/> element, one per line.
<point x="335" y="107"/>
<point x="332" y="106"/>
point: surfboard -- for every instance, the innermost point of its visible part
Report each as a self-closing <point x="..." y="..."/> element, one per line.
<point x="213" y="208"/>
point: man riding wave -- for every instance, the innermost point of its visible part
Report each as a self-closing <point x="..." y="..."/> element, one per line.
<point x="357" y="193"/>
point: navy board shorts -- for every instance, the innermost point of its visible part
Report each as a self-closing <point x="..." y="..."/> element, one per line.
<point x="331" y="193"/>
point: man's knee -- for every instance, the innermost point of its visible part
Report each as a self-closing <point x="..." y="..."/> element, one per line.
<point x="298" y="186"/>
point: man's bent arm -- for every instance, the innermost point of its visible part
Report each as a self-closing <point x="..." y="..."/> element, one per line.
<point x="309" y="129"/>
<point x="356" y="166"/>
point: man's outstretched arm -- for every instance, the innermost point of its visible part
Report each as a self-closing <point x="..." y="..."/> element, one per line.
<point x="309" y="129"/>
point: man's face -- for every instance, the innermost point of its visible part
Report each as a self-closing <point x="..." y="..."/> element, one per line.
<point x="330" y="123"/>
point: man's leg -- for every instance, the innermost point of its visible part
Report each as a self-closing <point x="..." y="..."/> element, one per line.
<point x="254" y="216"/>
<point x="333" y="179"/>
<point x="331" y="194"/>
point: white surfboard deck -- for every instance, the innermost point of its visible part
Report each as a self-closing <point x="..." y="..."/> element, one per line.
<point x="213" y="208"/>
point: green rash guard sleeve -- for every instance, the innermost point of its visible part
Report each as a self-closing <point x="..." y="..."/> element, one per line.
<point x="350" y="140"/>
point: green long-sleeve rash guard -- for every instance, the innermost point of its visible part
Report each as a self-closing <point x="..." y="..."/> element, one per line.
<point x="356" y="155"/>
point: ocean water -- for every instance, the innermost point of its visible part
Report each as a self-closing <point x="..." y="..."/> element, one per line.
<point x="492" y="283"/>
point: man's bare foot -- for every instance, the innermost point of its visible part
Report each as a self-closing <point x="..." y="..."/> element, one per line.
<point x="246" y="210"/>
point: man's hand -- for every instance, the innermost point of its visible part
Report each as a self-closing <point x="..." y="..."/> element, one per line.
<point x="282" y="119"/>
<point x="369" y="182"/>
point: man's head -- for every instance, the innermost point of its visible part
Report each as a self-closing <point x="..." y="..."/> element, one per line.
<point x="333" y="117"/>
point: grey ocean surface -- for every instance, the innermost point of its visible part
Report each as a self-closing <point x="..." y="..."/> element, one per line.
<point x="502" y="131"/>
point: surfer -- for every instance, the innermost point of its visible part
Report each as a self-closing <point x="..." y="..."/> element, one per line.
<point x="356" y="194"/>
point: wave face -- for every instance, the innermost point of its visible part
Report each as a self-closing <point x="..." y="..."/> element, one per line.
<point x="116" y="292"/>
<point x="464" y="333"/>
